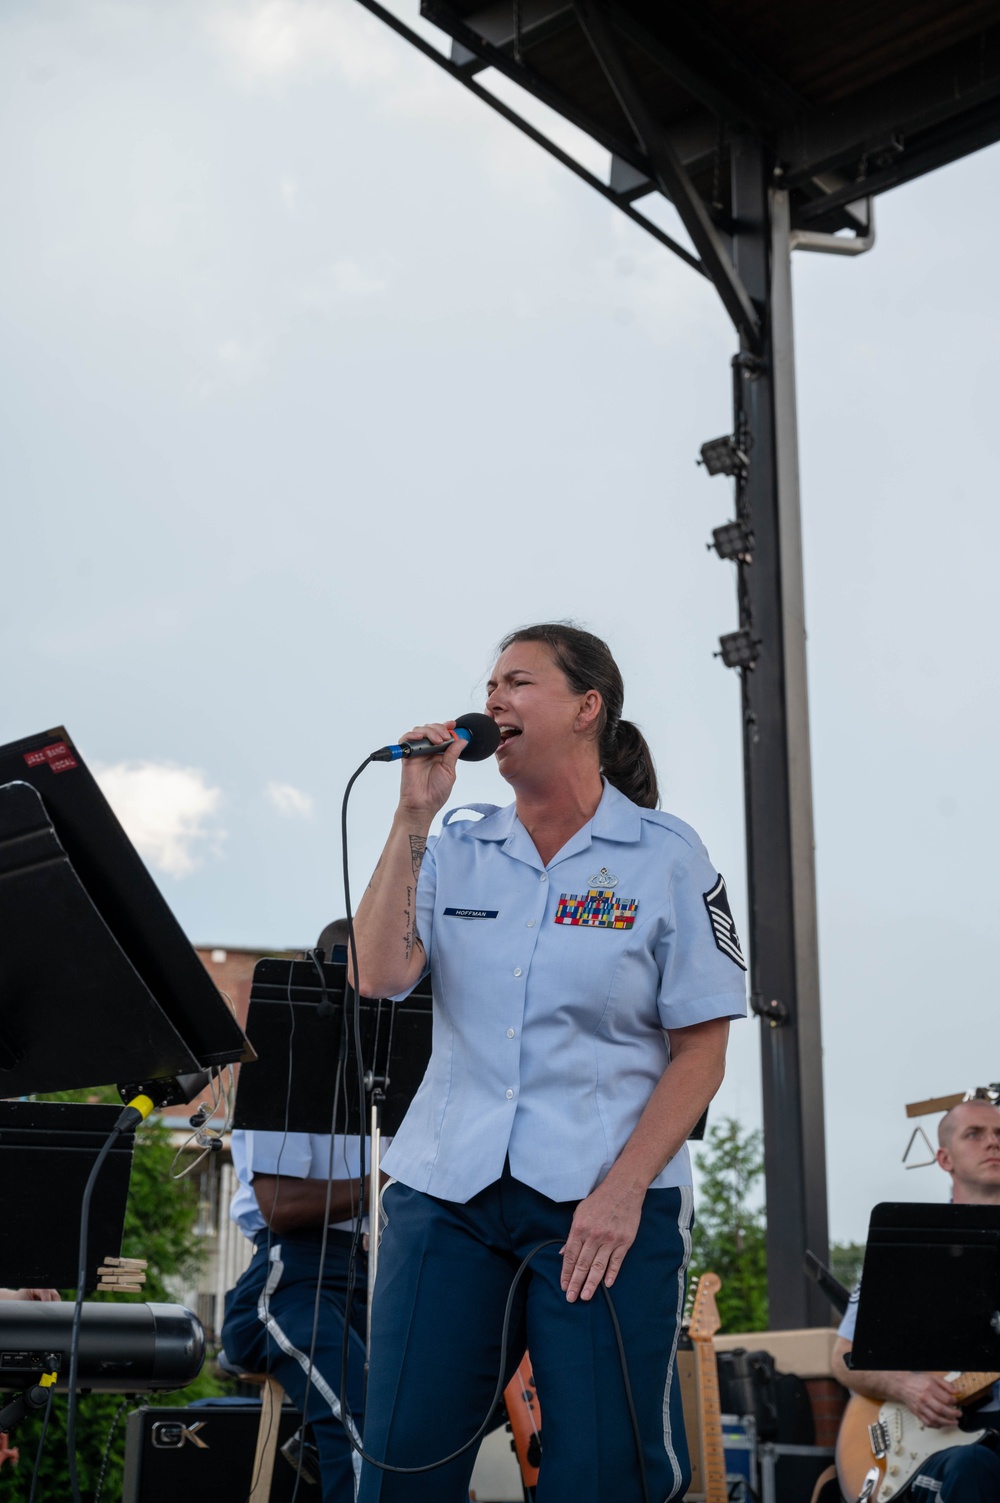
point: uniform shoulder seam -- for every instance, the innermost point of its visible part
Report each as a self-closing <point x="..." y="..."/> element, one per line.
<point x="674" y="825"/>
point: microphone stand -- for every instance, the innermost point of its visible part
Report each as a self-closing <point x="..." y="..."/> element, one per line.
<point x="28" y="1401"/>
<point x="377" y="1095"/>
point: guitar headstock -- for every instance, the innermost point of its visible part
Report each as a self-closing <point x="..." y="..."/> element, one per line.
<point x="704" y="1320"/>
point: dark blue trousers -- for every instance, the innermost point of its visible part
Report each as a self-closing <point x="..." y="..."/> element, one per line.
<point x="960" y="1474"/>
<point x="268" y="1328"/>
<point x="444" y="1274"/>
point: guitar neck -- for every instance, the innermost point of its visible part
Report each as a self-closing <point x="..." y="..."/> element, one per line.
<point x="710" y="1414"/>
<point x="970" y="1385"/>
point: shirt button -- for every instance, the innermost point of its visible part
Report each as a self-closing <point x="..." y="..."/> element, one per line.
<point x="543" y="878"/>
<point x="517" y="970"/>
<point x="510" y="1033"/>
<point x="510" y="1095"/>
<point x="531" y="923"/>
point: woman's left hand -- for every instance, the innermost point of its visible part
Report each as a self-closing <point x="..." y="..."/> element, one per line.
<point x="602" y="1231"/>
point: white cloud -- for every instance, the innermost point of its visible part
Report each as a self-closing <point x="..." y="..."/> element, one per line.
<point x="341" y="283"/>
<point x="233" y="362"/>
<point x="274" y="40"/>
<point x="289" y="800"/>
<point x="166" y="811"/>
<point x="274" y="45"/>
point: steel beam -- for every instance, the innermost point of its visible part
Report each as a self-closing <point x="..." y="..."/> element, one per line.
<point x="720" y="65"/>
<point x="668" y="172"/>
<point x="933" y="95"/>
<point x="784" y="956"/>
<point x="463" y="75"/>
<point x="441" y="14"/>
<point x="948" y="143"/>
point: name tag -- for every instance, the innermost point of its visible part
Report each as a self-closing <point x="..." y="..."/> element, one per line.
<point x="471" y="913"/>
<point x="596" y="909"/>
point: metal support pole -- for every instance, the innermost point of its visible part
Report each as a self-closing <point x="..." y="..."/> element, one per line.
<point x="784" y="953"/>
<point x="374" y="1175"/>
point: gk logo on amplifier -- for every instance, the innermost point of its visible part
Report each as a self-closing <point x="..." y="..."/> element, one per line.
<point x="168" y="1435"/>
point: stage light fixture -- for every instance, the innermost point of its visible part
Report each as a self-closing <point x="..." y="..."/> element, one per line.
<point x="733" y="540"/>
<point x="723" y="456"/>
<point x="737" y="649"/>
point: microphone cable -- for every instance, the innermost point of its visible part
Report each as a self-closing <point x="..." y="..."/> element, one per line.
<point x="106" y="1457"/>
<point x="255" y="1477"/>
<point x="318" y="1303"/>
<point x="47" y="1380"/>
<point x="137" y="1110"/>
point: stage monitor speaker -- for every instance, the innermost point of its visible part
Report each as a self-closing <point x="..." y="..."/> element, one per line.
<point x="206" y="1452"/>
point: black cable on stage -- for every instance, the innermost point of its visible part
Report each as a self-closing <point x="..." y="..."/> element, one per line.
<point x="106" y="1458"/>
<point x="353" y="992"/>
<point x="325" y="1009"/>
<point x="51" y="1386"/>
<point x="322" y="1262"/>
<point x="137" y="1111"/>
<point x="432" y="1466"/>
<point x="633" y="1417"/>
<point x="277" y="1174"/>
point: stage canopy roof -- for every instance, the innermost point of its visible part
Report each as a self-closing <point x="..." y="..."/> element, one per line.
<point x="850" y="99"/>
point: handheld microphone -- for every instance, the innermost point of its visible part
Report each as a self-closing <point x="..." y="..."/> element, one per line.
<point x="479" y="733"/>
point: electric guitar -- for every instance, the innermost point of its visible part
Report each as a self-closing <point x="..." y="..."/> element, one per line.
<point x="882" y="1445"/>
<point x="703" y="1324"/>
<point x="524" y="1414"/>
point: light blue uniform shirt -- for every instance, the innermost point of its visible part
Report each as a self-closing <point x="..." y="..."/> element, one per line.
<point x="548" y="1033"/>
<point x="300" y="1155"/>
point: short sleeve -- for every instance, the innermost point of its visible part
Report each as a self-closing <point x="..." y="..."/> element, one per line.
<point x="702" y="970"/>
<point x="277" y="1153"/>
<point x="850" y="1318"/>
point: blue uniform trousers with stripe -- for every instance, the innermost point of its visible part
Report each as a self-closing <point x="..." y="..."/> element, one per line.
<point x="268" y="1328"/>
<point x="958" y="1474"/>
<point x="444" y="1274"/>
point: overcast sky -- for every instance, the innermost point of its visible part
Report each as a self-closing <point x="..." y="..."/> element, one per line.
<point x="316" y="377"/>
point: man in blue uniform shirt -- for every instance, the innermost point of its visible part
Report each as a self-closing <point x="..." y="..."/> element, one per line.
<point x="285" y="1179"/>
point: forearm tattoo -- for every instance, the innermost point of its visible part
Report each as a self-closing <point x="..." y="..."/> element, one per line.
<point x="418" y="845"/>
<point x="411" y="939"/>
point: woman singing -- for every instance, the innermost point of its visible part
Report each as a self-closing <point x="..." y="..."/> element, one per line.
<point x="585" y="968"/>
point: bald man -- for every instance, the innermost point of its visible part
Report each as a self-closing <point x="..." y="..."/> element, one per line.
<point x="969" y="1138"/>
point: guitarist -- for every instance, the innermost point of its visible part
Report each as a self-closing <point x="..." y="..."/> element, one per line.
<point x="969" y="1138"/>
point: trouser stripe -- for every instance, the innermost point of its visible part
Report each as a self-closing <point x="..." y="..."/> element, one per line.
<point x="317" y="1379"/>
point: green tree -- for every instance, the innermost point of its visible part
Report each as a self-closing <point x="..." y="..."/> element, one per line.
<point x="728" y="1237"/>
<point x="846" y="1259"/>
<point x="159" y="1226"/>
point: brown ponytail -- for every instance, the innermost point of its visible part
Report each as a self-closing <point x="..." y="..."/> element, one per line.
<point x="586" y="661"/>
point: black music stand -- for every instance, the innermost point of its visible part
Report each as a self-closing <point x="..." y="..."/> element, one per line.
<point x="47" y="1150"/>
<point x="97" y="980"/>
<point x="930" y="1291"/>
<point x="296" y="1021"/>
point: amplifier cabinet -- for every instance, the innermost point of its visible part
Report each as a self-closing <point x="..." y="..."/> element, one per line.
<point x="169" y="1453"/>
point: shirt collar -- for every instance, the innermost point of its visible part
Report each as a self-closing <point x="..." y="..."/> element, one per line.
<point x="615" y="818"/>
